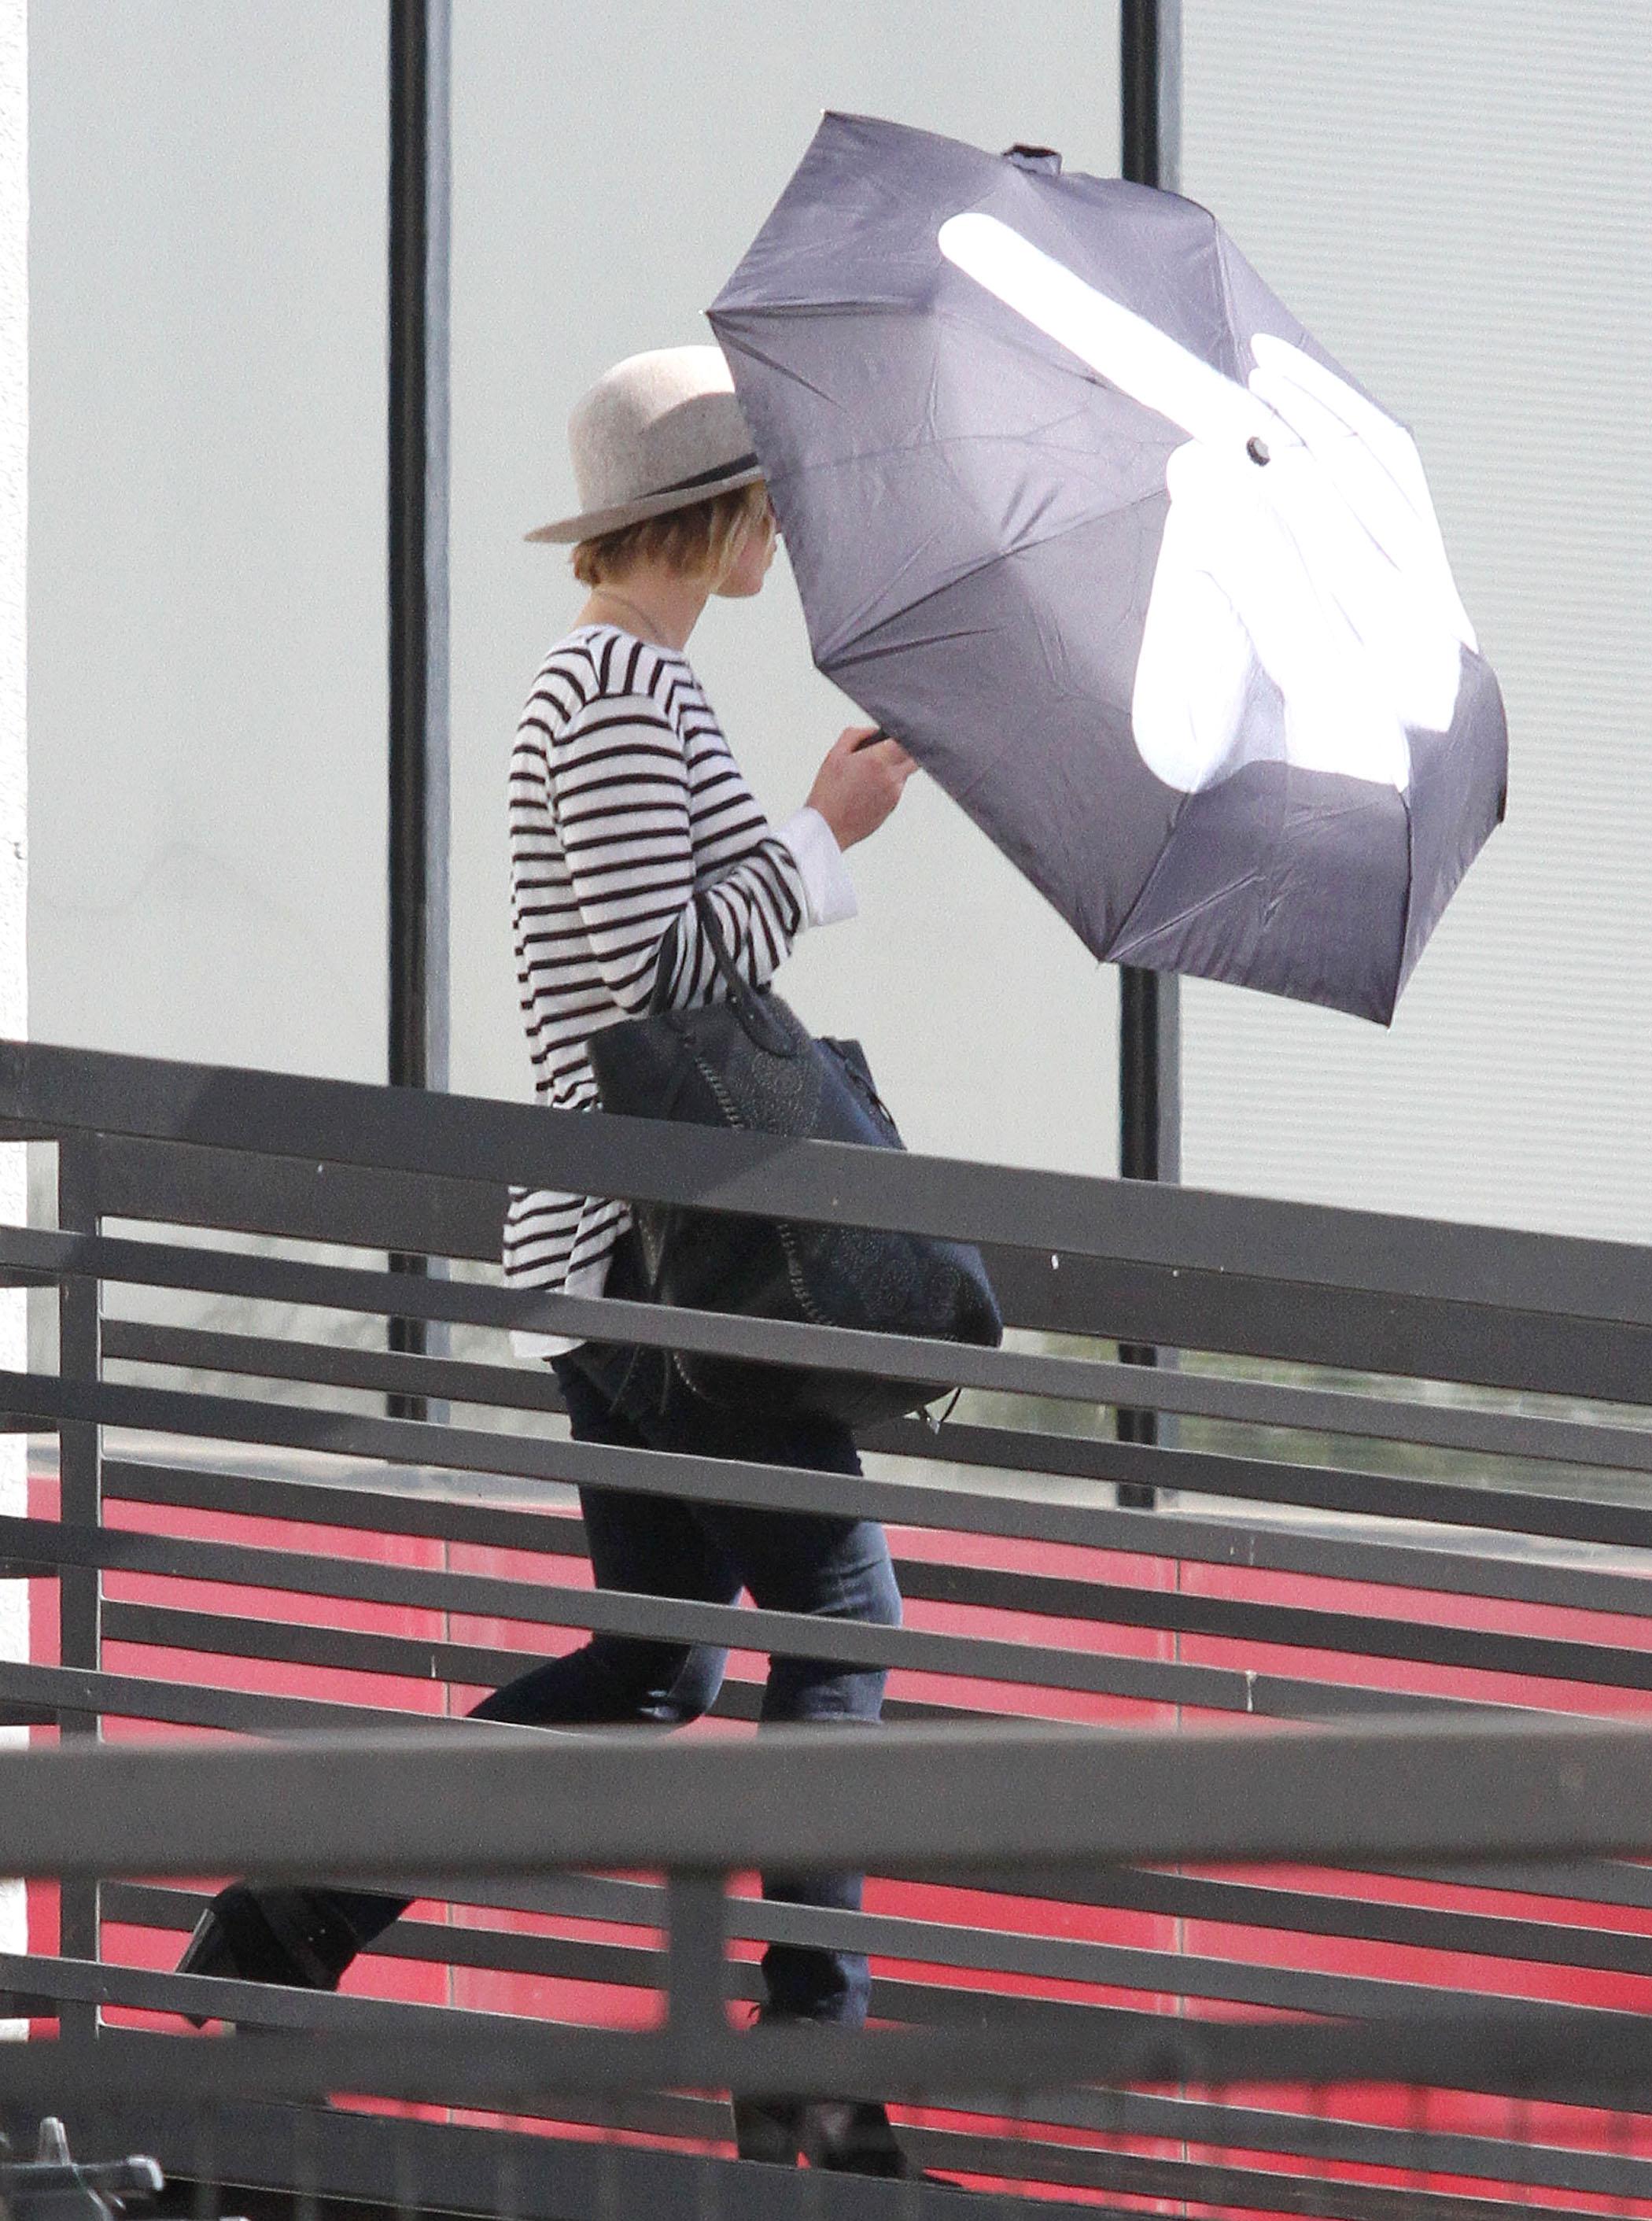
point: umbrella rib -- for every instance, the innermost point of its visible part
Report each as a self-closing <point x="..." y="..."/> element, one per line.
<point x="974" y="571"/>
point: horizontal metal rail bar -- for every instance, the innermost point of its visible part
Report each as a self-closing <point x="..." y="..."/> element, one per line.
<point x="1239" y="1904"/>
<point x="300" y="1642"/>
<point x="301" y="1199"/>
<point x="1198" y="1395"/>
<point x="1323" y="1913"/>
<point x="342" y="1287"/>
<point x="78" y="1091"/>
<point x="481" y="1800"/>
<point x="432" y="2052"/>
<point x="35" y="1694"/>
<point x="1050" y="1290"/>
<point x="1338" y="1489"/>
<point x="1022" y="2157"/>
<point x="1379" y="1550"/>
<point x="354" y="1288"/>
<point x="436" y="2167"/>
<point x="1231" y="1903"/>
<point x="725" y="1481"/>
<point x="1403" y="1337"/>
<point x="1311" y="2135"/>
<point x="613" y="1611"/>
<point x="355" y="2158"/>
<point x="905" y="2002"/>
<point x="1602" y="2173"/>
<point x="327" y="1365"/>
<point x="555" y="1530"/>
<point x="1608" y="1882"/>
<point x="44" y="1691"/>
<point x="925" y="1363"/>
<point x="1324" y="2136"/>
<point x="1257" y="1549"/>
<point x="1200" y="2181"/>
<point x="1111" y="1604"/>
<point x="978" y="1950"/>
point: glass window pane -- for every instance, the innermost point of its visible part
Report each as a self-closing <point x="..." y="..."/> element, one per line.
<point x="1454" y="200"/>
<point x="610" y="167"/>
<point x="207" y="574"/>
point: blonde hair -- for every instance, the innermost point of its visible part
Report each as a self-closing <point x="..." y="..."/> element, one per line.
<point x="700" y="541"/>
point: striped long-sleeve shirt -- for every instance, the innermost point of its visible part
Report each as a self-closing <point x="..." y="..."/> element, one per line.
<point x="624" y="799"/>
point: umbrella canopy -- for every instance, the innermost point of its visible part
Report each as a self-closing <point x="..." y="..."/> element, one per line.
<point x="1080" y="512"/>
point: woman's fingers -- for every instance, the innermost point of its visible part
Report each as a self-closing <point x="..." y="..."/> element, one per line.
<point x="872" y="742"/>
<point x="860" y="782"/>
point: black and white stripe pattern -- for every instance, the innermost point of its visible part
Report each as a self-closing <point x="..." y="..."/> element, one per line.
<point x="624" y="799"/>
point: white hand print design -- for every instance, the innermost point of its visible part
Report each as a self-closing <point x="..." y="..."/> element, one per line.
<point x="1302" y="610"/>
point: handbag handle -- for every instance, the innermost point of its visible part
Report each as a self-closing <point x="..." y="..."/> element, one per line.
<point x="757" y="1022"/>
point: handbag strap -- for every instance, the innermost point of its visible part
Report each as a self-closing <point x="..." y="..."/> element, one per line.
<point x="756" y="1018"/>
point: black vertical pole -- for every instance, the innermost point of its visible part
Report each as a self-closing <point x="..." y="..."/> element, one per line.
<point x="1151" y="91"/>
<point x="419" y="44"/>
<point x="80" y="1589"/>
<point x="1150" y="1032"/>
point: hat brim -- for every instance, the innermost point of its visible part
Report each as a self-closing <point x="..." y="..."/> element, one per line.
<point x="593" y="522"/>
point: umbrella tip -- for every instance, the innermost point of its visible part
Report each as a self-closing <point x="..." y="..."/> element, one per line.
<point x="1034" y="158"/>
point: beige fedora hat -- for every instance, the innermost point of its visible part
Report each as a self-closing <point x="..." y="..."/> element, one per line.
<point x="658" y="431"/>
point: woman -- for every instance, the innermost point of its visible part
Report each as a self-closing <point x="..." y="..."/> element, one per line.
<point x="624" y="799"/>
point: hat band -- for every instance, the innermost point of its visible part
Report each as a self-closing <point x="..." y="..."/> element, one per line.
<point x="704" y="478"/>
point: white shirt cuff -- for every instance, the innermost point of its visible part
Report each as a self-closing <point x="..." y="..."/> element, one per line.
<point x="828" y="890"/>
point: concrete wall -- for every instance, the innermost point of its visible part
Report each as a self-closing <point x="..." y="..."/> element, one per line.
<point x="14" y="788"/>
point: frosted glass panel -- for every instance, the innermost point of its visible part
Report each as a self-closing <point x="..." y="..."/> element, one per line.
<point x="207" y="564"/>
<point x="207" y="529"/>
<point x="1454" y="199"/>
<point x="599" y="203"/>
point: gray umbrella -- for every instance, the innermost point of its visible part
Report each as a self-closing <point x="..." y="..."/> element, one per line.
<point x="1080" y="511"/>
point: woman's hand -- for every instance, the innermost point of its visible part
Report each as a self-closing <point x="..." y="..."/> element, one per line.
<point x="859" y="784"/>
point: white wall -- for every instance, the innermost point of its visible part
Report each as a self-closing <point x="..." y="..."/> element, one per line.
<point x="596" y="210"/>
<point x="208" y="628"/>
<point x="14" y="790"/>
<point x="1454" y="198"/>
<point x="207" y="633"/>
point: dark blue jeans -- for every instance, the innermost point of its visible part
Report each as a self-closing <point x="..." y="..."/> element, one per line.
<point x="791" y="1562"/>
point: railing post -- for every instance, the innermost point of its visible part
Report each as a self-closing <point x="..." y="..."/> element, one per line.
<point x="1149" y="1002"/>
<point x="81" y="1355"/>
<point x="420" y="51"/>
<point x="696" y="1938"/>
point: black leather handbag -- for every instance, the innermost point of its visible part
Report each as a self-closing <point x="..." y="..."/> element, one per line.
<point x="750" y="1064"/>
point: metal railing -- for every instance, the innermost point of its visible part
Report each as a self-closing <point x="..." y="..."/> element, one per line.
<point x="1318" y="1553"/>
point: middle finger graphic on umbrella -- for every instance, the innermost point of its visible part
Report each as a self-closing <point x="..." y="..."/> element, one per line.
<point x="1302" y="608"/>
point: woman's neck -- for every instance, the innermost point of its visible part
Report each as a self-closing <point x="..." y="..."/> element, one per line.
<point x="653" y="602"/>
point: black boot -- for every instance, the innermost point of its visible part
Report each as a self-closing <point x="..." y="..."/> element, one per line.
<point x="287" y="1935"/>
<point x="856" y="2135"/>
<point x="769" y="2130"/>
<point x="845" y="2136"/>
